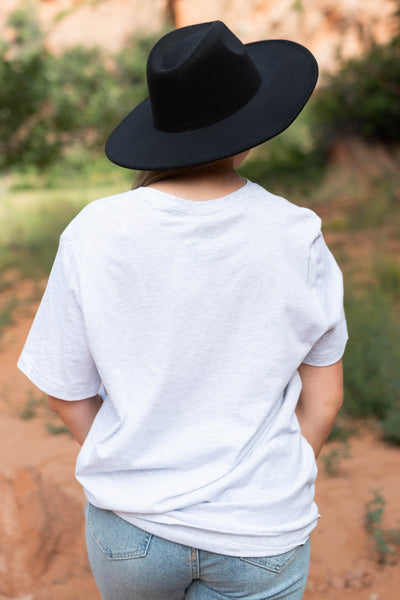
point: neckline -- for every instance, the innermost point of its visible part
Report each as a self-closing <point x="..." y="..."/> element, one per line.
<point x="167" y="201"/>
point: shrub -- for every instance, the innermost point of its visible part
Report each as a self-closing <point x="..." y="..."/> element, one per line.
<point x="82" y="98"/>
<point x="289" y="161"/>
<point x="333" y="460"/>
<point x="33" y="246"/>
<point x="23" y="91"/>
<point x="386" y="541"/>
<point x="372" y="358"/>
<point x="387" y="272"/>
<point x="363" y="98"/>
<point x="51" y="103"/>
<point x="391" y="426"/>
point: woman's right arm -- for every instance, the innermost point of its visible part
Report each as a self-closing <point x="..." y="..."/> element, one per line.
<point x="320" y="401"/>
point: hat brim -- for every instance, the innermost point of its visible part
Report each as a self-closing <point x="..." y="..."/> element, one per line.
<point x="289" y="74"/>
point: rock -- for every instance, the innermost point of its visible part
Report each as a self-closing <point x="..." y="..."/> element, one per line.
<point x="358" y="579"/>
<point x="40" y="527"/>
<point x="329" y="29"/>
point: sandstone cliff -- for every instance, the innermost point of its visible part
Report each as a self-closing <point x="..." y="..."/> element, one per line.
<point x="328" y="27"/>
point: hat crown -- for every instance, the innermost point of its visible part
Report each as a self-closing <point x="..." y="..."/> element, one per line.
<point x="197" y="76"/>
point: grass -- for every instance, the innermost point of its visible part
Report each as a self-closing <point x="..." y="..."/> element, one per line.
<point x="387" y="274"/>
<point x="6" y="314"/>
<point x="332" y="461"/>
<point x="37" y="404"/>
<point x="386" y="541"/>
<point x="35" y="208"/>
<point x="343" y="429"/>
<point x="377" y="206"/>
<point x="32" y="405"/>
<point x="57" y="429"/>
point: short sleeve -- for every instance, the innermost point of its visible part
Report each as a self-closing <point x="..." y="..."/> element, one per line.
<point x="56" y="356"/>
<point x="326" y="280"/>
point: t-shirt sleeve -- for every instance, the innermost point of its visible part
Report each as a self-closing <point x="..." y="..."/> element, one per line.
<point x="326" y="279"/>
<point x="56" y="356"/>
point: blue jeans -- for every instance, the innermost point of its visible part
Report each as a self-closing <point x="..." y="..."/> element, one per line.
<point x="130" y="564"/>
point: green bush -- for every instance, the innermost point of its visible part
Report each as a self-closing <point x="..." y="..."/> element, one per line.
<point x="391" y="426"/>
<point x="49" y="104"/>
<point x="386" y="541"/>
<point x="23" y="91"/>
<point x="363" y="98"/>
<point x="372" y="358"/>
<point x="82" y="97"/>
<point x="130" y="70"/>
<point x="387" y="273"/>
<point x="289" y="161"/>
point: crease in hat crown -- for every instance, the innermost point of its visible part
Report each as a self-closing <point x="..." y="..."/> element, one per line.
<point x="199" y="75"/>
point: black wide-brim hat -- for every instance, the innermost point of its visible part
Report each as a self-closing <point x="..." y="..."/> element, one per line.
<point x="210" y="97"/>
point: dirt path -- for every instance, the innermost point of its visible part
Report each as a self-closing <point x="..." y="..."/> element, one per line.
<point x="42" y="553"/>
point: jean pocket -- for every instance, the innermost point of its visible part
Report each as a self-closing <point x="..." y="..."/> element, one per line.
<point x="277" y="563"/>
<point x="115" y="537"/>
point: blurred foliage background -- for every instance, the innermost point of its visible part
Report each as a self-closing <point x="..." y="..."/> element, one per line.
<point x="341" y="158"/>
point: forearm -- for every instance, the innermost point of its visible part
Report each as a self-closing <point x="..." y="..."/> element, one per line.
<point x="316" y="426"/>
<point x="320" y="401"/>
<point x="78" y="415"/>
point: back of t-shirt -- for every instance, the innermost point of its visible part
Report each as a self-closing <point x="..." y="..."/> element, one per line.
<point x="195" y="316"/>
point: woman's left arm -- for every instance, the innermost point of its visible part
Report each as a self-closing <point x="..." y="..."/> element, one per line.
<point x="77" y="415"/>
